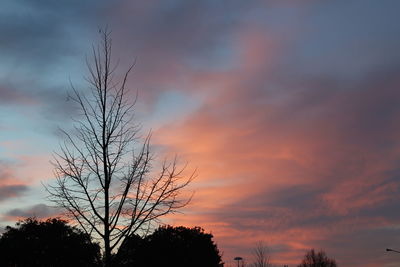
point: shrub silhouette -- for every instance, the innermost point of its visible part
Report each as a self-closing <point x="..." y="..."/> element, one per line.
<point x="47" y="243"/>
<point x="170" y="246"/>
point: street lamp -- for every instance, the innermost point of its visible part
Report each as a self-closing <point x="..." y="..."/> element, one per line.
<point x="238" y="259"/>
<point x="389" y="249"/>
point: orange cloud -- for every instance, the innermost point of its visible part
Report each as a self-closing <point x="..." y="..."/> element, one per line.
<point x="292" y="167"/>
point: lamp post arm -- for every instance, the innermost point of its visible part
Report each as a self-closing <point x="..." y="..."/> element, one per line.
<point x="393" y="250"/>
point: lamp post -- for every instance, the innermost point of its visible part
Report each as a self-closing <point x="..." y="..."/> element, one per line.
<point x="393" y="250"/>
<point x="238" y="259"/>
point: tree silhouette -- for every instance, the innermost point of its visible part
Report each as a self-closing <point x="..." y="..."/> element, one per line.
<point x="261" y="255"/>
<point x="34" y="243"/>
<point x="170" y="246"/>
<point x="104" y="180"/>
<point x="320" y="259"/>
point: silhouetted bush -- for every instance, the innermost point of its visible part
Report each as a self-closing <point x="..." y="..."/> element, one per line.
<point x="47" y="243"/>
<point x="170" y="246"/>
<point x="312" y="259"/>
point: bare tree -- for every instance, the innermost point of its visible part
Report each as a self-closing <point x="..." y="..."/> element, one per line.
<point x="319" y="259"/>
<point x="105" y="180"/>
<point x="261" y="255"/>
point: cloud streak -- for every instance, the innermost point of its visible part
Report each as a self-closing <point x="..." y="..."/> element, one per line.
<point x="294" y="122"/>
<point x="39" y="211"/>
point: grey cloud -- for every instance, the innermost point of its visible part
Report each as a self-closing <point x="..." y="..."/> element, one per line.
<point x="353" y="246"/>
<point x="8" y="191"/>
<point x="11" y="191"/>
<point x="52" y="102"/>
<point x="169" y="38"/>
<point x="6" y="170"/>
<point x="40" y="40"/>
<point x="41" y="30"/>
<point x="38" y="211"/>
<point x="10" y="95"/>
<point x="277" y="211"/>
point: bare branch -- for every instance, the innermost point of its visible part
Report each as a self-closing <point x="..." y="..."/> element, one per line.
<point x="104" y="175"/>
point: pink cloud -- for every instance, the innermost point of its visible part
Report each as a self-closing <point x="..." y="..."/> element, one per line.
<point x="249" y="142"/>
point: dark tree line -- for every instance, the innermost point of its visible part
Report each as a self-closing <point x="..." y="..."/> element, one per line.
<point x="261" y="258"/>
<point x="33" y="243"/>
<point x="170" y="246"/>
<point x="50" y="243"/>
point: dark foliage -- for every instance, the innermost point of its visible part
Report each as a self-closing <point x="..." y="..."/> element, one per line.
<point x="52" y="242"/>
<point x="170" y="246"/>
<point x="312" y="259"/>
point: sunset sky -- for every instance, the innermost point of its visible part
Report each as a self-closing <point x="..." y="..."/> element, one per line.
<point x="289" y="109"/>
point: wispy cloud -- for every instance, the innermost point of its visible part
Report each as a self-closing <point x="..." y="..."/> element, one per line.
<point x="39" y="211"/>
<point x="294" y="124"/>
